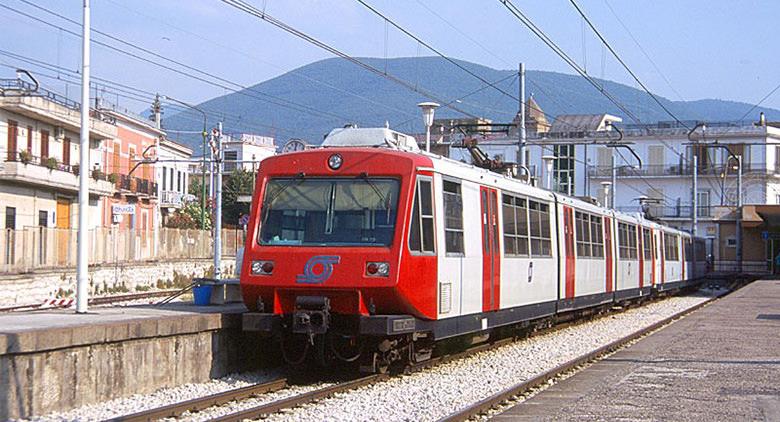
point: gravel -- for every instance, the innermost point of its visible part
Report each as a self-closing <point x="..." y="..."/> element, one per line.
<point x="423" y="396"/>
<point x="436" y="392"/>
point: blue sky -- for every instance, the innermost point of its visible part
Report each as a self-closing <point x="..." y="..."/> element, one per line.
<point x="704" y="49"/>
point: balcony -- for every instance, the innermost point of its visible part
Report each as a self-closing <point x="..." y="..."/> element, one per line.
<point x="47" y="107"/>
<point x="136" y="186"/>
<point x="48" y="173"/>
<point x="604" y="172"/>
<point x="171" y="199"/>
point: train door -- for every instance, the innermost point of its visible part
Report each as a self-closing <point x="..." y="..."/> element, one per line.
<point x="641" y="255"/>
<point x="491" y="255"/>
<point x="662" y="254"/>
<point x="568" y="233"/>
<point x="608" y="252"/>
<point x="653" y="256"/>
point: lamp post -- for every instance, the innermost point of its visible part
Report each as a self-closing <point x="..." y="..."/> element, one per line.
<point x="428" y="109"/>
<point x="203" y="166"/>
<point x="695" y="187"/>
<point x="548" y="164"/>
<point x="605" y="186"/>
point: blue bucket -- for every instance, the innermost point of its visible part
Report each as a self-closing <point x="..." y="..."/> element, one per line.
<point x="202" y="294"/>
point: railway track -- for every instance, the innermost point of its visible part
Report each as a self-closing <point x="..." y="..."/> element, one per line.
<point x="522" y="388"/>
<point x="105" y="300"/>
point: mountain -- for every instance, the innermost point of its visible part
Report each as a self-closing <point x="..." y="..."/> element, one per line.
<point x="333" y="92"/>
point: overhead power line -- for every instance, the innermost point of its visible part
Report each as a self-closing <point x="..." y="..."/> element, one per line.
<point x="625" y="66"/>
<point x="243" y="90"/>
<point x="251" y="10"/>
<point x="514" y="10"/>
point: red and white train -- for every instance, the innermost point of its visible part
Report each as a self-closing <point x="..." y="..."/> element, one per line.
<point x="369" y="249"/>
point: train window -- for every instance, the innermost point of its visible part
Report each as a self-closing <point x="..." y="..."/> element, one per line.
<point x="627" y="242"/>
<point x="515" y="217"/>
<point x="647" y="244"/>
<point x="329" y="212"/>
<point x="453" y="217"/>
<point x="671" y="247"/>
<point x="421" y="231"/>
<point x="590" y="235"/>
<point x="539" y="225"/>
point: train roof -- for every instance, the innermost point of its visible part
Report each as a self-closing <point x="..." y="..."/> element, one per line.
<point x="384" y="138"/>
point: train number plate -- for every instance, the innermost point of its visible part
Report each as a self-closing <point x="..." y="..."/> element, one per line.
<point x="403" y="325"/>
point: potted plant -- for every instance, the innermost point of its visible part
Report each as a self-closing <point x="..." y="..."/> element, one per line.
<point x="98" y="175"/>
<point x="51" y="163"/>
<point x="113" y="177"/>
<point x="25" y="156"/>
<point x="75" y="169"/>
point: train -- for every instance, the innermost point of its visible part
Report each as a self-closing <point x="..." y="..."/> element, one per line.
<point x="369" y="250"/>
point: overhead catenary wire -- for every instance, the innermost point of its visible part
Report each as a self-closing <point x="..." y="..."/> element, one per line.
<point x="253" y="11"/>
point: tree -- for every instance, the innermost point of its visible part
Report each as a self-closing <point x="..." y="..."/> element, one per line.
<point x="240" y="182"/>
<point x="188" y="217"/>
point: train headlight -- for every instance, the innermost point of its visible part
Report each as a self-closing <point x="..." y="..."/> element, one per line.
<point x="377" y="269"/>
<point x="262" y="267"/>
<point x="335" y="161"/>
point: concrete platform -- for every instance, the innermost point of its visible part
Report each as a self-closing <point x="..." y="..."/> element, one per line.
<point x="56" y="360"/>
<point x="721" y="363"/>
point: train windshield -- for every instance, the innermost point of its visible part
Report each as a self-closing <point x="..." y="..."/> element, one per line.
<point x="329" y="211"/>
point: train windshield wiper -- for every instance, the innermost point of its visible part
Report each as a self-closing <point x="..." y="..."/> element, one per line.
<point x="299" y="178"/>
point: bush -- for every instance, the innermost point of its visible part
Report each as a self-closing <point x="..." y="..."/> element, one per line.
<point x="98" y="175"/>
<point x="25" y="156"/>
<point x="113" y="177"/>
<point x="51" y="163"/>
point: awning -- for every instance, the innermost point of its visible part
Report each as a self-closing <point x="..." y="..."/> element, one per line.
<point x="750" y="217"/>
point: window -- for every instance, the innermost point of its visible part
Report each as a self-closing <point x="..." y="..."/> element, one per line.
<point x="44" y="144"/>
<point x="515" y="216"/>
<point x="421" y="231"/>
<point x="539" y="225"/>
<point x="12" y="135"/>
<point x="170" y="184"/>
<point x="178" y="181"/>
<point x="29" y="139"/>
<point x="563" y="169"/>
<point x="43" y="218"/>
<point x="10" y="218"/>
<point x="671" y="247"/>
<point x="590" y="235"/>
<point x="647" y="244"/>
<point x="332" y="212"/>
<point x="453" y="218"/>
<point x="165" y="178"/>
<point x="627" y="247"/>
<point x="230" y="158"/>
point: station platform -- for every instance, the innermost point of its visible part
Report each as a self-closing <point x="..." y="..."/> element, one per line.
<point x="719" y="363"/>
<point x="55" y="360"/>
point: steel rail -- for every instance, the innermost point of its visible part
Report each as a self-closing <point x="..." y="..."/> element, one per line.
<point x="200" y="403"/>
<point x="301" y="399"/>
<point x="497" y="399"/>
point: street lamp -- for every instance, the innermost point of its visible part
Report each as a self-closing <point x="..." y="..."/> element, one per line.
<point x="203" y="166"/>
<point x="428" y="109"/>
<point x="548" y="164"/>
<point x="606" y="185"/>
<point x="695" y="199"/>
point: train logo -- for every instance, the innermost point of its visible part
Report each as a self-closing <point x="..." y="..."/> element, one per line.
<point x="309" y="275"/>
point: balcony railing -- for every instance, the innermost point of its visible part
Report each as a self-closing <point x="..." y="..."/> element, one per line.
<point x="136" y="185"/>
<point x="678" y="211"/>
<point x="682" y="170"/>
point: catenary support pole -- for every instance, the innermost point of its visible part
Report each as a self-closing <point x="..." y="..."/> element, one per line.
<point x="218" y="205"/>
<point x="614" y="183"/>
<point x="739" y="213"/>
<point x="521" y="128"/>
<point x="82" y="253"/>
<point x="695" y="197"/>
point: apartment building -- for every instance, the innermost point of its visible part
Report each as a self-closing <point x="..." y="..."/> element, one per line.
<point x="246" y="151"/>
<point x="172" y="176"/>
<point x="39" y="158"/>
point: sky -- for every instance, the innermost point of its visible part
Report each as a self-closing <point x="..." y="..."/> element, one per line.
<point x="683" y="50"/>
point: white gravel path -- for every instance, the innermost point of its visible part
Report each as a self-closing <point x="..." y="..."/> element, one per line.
<point x="439" y="391"/>
<point x="423" y="396"/>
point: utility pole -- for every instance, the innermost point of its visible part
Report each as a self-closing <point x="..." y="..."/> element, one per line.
<point x="218" y="206"/>
<point x="157" y="110"/>
<point x="82" y="253"/>
<point x="521" y="129"/>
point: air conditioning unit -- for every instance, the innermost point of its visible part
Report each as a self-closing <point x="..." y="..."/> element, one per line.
<point x="59" y="132"/>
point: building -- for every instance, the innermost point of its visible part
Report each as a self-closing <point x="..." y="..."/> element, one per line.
<point x="246" y="151"/>
<point x="39" y="158"/>
<point x="134" y="203"/>
<point x="172" y="176"/>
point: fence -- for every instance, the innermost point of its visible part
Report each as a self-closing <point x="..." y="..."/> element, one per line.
<point x="34" y="248"/>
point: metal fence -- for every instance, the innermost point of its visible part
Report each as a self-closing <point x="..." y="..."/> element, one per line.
<point x="35" y="248"/>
